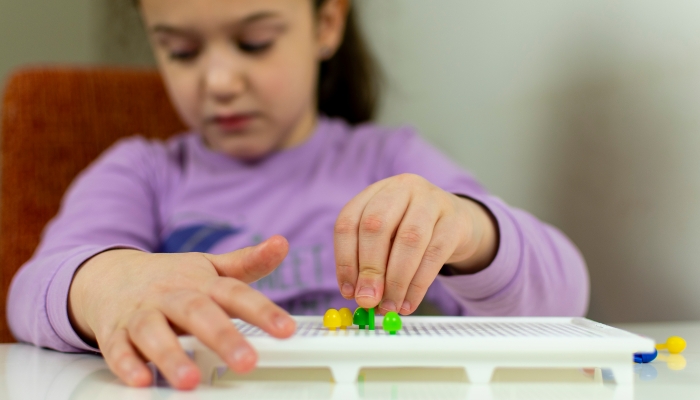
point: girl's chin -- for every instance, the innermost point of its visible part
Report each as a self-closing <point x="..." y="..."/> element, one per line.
<point x="242" y="148"/>
<point x="248" y="154"/>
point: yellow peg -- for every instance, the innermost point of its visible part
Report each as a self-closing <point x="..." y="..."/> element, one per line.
<point x="674" y="345"/>
<point x="345" y="317"/>
<point x="331" y="319"/>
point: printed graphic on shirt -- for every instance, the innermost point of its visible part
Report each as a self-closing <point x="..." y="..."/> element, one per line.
<point x="310" y="304"/>
<point x="197" y="238"/>
<point x="301" y="274"/>
<point x="301" y="269"/>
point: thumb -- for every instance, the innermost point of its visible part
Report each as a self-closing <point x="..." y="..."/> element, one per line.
<point x="251" y="263"/>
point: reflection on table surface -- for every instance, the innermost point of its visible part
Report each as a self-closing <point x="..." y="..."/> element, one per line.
<point x="27" y="372"/>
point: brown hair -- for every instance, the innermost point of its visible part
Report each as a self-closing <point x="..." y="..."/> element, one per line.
<point x="348" y="85"/>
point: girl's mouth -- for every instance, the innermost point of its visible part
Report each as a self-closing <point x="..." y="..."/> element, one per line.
<point x="233" y="122"/>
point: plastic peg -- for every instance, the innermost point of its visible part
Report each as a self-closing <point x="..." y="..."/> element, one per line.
<point x="391" y="322"/>
<point x="674" y="345"/>
<point x="331" y="319"/>
<point x="643" y="358"/>
<point x="345" y="317"/>
<point x="360" y="318"/>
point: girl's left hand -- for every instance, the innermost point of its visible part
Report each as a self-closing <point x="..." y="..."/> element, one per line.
<point x="393" y="238"/>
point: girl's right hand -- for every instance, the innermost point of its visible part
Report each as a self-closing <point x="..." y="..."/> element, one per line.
<point x="133" y="304"/>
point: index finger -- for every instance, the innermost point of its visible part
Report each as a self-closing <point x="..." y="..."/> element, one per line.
<point x="345" y="239"/>
<point x="251" y="263"/>
<point x="202" y="317"/>
<point x="378" y="225"/>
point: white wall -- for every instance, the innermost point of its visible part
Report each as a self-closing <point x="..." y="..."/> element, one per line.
<point x="40" y="31"/>
<point x="70" y="32"/>
<point x="586" y="113"/>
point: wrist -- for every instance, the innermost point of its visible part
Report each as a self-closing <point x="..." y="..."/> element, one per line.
<point x="480" y="244"/>
<point x="83" y="290"/>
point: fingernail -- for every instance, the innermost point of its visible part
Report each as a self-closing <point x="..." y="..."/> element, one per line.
<point x="131" y="371"/>
<point x="366" y="291"/>
<point x="406" y="306"/>
<point x="281" y="322"/>
<point x="134" y="376"/>
<point x="388" y="305"/>
<point x="241" y="355"/>
<point x="347" y="290"/>
<point x="182" y="372"/>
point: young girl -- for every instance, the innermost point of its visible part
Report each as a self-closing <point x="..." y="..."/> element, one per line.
<point x="151" y="239"/>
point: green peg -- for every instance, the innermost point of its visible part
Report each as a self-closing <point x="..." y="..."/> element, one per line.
<point x="371" y="319"/>
<point x="360" y="317"/>
<point x="391" y="322"/>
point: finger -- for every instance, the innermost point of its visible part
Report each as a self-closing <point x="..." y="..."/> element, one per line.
<point x="378" y="224"/>
<point x="345" y="239"/>
<point x="407" y="250"/>
<point x="438" y="251"/>
<point x="251" y="263"/>
<point x="124" y="361"/>
<point x="241" y="301"/>
<point x="150" y="333"/>
<point x="199" y="315"/>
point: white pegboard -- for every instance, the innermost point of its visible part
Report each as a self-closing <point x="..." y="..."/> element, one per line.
<point x="441" y="329"/>
<point x="478" y="344"/>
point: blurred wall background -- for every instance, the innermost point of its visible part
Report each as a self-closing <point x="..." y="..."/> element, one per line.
<point x="43" y="31"/>
<point x="586" y="113"/>
<point x="38" y="32"/>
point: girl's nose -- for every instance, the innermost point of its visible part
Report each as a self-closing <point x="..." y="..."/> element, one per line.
<point x="224" y="79"/>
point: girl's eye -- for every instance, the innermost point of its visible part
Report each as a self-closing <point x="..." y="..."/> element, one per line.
<point x="183" y="55"/>
<point x="254" y="47"/>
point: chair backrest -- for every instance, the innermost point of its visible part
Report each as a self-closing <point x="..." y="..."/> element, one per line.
<point x="55" y="121"/>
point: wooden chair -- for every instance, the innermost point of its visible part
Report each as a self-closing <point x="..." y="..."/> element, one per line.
<point x="55" y="121"/>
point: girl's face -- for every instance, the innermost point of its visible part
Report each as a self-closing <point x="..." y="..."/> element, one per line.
<point x="243" y="73"/>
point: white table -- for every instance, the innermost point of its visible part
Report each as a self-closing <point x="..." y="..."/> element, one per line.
<point x="27" y="372"/>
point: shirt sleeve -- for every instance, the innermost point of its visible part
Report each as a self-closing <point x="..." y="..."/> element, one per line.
<point x="112" y="204"/>
<point x="537" y="270"/>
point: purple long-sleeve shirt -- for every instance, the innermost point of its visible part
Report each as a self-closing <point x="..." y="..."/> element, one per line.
<point x="180" y="196"/>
